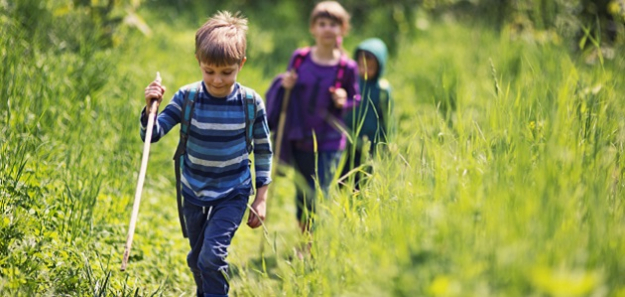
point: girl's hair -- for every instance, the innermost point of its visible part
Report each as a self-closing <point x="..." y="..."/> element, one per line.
<point x="331" y="10"/>
<point x="221" y="40"/>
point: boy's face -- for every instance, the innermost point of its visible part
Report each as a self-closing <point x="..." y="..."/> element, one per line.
<point x="367" y="65"/>
<point x="325" y="31"/>
<point x="219" y="80"/>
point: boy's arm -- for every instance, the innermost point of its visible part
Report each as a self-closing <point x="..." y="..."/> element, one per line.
<point x="262" y="165"/>
<point x="167" y="119"/>
<point x="262" y="146"/>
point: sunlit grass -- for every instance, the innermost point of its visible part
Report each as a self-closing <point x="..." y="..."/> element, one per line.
<point x="505" y="177"/>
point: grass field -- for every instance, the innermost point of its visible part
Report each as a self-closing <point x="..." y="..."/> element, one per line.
<point x="504" y="176"/>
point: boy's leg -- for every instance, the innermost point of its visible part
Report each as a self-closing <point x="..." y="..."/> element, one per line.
<point x="195" y="217"/>
<point x="324" y="170"/>
<point x="327" y="163"/>
<point x="304" y="184"/>
<point x="224" y="221"/>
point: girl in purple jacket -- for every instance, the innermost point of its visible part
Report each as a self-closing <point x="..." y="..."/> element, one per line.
<point x="324" y="84"/>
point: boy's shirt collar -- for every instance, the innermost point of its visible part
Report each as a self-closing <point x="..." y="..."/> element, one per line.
<point x="234" y="92"/>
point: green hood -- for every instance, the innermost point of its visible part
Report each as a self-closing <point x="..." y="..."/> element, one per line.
<point x="378" y="48"/>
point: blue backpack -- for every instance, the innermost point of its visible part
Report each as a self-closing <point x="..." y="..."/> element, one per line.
<point x="249" y="106"/>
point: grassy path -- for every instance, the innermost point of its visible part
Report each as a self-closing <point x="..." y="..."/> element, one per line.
<point x="505" y="177"/>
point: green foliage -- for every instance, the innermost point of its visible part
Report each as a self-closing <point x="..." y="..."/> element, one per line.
<point x="505" y="178"/>
<point x="543" y="20"/>
<point x="269" y="41"/>
<point x="52" y="174"/>
<point x="70" y="25"/>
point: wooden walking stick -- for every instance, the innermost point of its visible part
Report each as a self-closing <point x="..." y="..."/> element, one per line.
<point x="144" y="167"/>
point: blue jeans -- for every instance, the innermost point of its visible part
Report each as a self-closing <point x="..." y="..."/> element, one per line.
<point x="210" y="231"/>
<point x="305" y="165"/>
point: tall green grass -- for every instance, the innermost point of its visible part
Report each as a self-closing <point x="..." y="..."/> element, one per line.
<point x="506" y="179"/>
<point x="505" y="176"/>
<point x="515" y="191"/>
<point x="66" y="147"/>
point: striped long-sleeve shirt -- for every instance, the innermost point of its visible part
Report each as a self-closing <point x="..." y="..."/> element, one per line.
<point x="216" y="164"/>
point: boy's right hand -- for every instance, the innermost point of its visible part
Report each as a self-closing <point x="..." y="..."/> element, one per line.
<point x="289" y="79"/>
<point x="154" y="91"/>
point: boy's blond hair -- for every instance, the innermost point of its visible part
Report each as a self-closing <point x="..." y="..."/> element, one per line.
<point x="221" y="41"/>
<point x="331" y="10"/>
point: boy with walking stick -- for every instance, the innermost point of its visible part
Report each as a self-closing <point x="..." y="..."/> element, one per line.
<point x="222" y="122"/>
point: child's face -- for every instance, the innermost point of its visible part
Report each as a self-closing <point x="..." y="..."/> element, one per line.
<point x="325" y="31"/>
<point x="219" y="80"/>
<point x="367" y="65"/>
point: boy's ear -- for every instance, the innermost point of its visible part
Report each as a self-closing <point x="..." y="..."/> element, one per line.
<point x="242" y="62"/>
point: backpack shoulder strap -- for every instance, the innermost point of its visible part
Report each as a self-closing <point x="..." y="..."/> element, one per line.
<point x="187" y="111"/>
<point x="340" y="72"/>
<point x="300" y="55"/>
<point x="249" y="106"/>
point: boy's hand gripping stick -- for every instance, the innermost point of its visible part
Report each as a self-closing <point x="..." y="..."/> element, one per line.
<point x="144" y="167"/>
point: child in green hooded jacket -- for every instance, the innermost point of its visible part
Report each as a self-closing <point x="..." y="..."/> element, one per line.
<point x="369" y="121"/>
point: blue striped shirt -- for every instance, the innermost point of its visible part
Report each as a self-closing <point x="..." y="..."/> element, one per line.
<point x="217" y="164"/>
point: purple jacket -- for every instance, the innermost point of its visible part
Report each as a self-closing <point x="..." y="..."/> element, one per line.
<point x="311" y="107"/>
